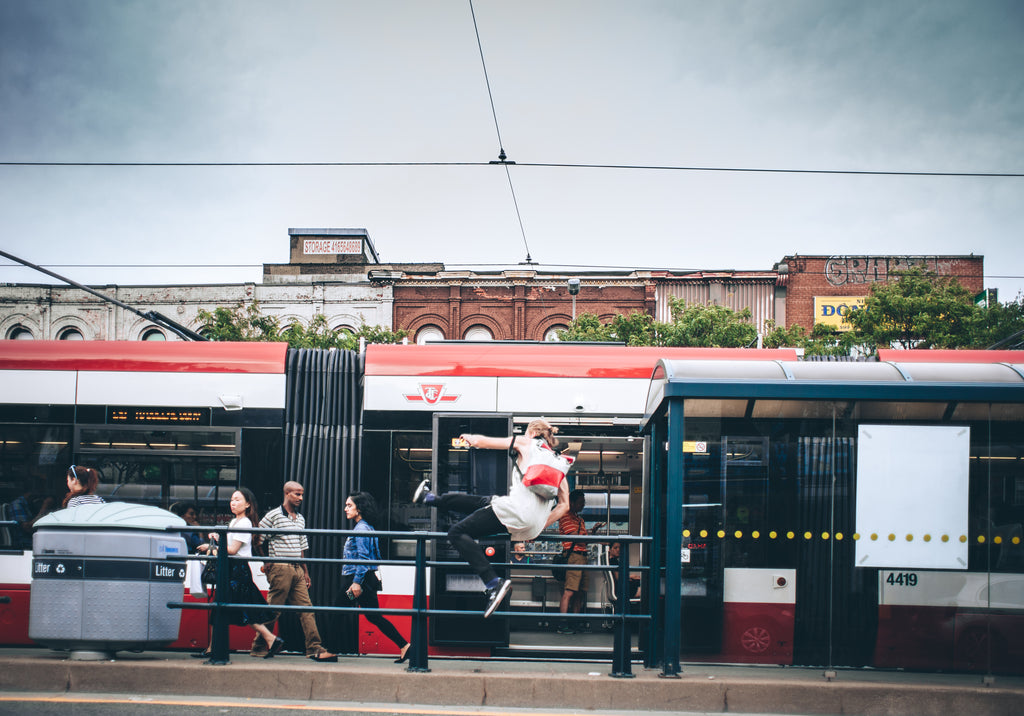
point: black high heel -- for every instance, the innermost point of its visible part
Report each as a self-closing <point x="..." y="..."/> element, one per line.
<point x="403" y="655"/>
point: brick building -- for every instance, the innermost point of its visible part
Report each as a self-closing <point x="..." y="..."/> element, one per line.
<point x="820" y="289"/>
<point x="512" y="304"/>
<point x="337" y="273"/>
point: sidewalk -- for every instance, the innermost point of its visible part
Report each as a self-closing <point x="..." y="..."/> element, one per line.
<point x="526" y="684"/>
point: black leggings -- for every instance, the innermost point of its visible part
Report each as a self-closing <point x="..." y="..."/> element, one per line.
<point x="368" y="599"/>
<point x="481" y="522"/>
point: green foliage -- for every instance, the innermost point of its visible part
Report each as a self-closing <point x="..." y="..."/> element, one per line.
<point x="241" y="323"/>
<point x="586" y="327"/>
<point x="918" y="310"/>
<point x="247" y="323"/>
<point x="999" y="324"/>
<point x="708" y="325"/>
<point x="823" y="340"/>
<point x="698" y="325"/>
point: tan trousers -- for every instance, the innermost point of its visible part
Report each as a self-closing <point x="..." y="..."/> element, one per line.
<point x="288" y="586"/>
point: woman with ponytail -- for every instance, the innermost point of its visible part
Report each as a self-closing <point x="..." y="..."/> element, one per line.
<point x="82" y="484"/>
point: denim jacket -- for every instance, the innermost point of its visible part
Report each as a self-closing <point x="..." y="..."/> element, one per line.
<point x="359" y="547"/>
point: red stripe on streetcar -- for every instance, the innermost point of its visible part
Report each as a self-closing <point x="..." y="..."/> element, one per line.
<point x="543" y="360"/>
<point x="144" y="356"/>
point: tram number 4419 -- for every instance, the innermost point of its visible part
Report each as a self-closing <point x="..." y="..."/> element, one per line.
<point x="902" y="579"/>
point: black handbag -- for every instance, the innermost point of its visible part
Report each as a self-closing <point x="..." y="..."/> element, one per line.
<point x="562" y="558"/>
<point x="209" y="574"/>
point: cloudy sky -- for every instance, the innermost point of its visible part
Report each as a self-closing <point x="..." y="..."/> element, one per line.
<point x="857" y="85"/>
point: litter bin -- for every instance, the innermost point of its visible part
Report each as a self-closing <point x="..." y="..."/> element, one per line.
<point x="102" y="576"/>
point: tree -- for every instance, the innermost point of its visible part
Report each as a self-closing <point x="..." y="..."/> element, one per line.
<point x="918" y="310"/>
<point x="241" y="323"/>
<point x="1000" y="324"/>
<point x="709" y="325"/>
<point x="823" y="340"/>
<point x="697" y="325"/>
<point x="247" y="323"/>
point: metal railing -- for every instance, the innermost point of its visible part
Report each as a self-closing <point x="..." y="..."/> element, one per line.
<point x="420" y="612"/>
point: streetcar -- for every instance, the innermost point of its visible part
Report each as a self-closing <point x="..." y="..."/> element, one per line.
<point x="753" y="472"/>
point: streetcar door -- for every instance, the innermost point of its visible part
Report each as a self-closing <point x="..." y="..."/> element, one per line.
<point x="702" y="568"/>
<point x="477" y="472"/>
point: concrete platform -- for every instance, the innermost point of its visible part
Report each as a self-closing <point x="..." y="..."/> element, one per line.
<point x="524" y="684"/>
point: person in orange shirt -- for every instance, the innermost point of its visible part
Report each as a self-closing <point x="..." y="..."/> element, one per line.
<point x="575" y="589"/>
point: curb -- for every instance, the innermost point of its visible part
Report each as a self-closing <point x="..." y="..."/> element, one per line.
<point x="516" y="685"/>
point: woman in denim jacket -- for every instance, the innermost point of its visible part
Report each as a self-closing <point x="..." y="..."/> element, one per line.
<point x="360" y="580"/>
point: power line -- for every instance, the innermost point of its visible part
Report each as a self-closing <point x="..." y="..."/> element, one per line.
<point x="541" y="165"/>
<point x="502" y="157"/>
<point x="487" y="81"/>
<point x="592" y="267"/>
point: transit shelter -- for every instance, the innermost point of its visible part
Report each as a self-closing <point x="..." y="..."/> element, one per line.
<point x="844" y="513"/>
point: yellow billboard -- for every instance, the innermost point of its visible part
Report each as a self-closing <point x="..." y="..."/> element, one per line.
<point x="832" y="310"/>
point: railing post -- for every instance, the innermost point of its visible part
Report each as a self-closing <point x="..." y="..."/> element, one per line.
<point x="418" y="634"/>
<point x="219" y="651"/>
<point x="622" y="646"/>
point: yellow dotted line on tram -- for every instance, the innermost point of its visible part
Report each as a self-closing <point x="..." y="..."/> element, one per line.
<point x="839" y="536"/>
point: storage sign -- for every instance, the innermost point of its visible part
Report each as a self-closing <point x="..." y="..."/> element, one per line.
<point x="332" y="246"/>
<point x="833" y="310"/>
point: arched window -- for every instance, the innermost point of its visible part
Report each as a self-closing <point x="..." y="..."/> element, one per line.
<point x="153" y="334"/>
<point x="20" y="333"/>
<point x="70" y="334"/>
<point x="429" y="333"/>
<point x="551" y="334"/>
<point x="479" y="333"/>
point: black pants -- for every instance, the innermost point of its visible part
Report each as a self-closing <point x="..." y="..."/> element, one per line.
<point x="481" y="522"/>
<point x="368" y="599"/>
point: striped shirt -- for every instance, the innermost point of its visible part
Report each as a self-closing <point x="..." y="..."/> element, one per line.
<point x="572" y="524"/>
<point x="284" y="545"/>
<point x="85" y="500"/>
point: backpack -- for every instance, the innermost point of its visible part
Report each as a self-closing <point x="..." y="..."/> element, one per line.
<point x="545" y="469"/>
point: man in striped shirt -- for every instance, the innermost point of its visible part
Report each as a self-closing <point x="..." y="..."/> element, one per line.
<point x="289" y="581"/>
<point x="571" y="523"/>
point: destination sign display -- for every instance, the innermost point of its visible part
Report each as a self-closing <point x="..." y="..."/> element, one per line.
<point x="132" y="415"/>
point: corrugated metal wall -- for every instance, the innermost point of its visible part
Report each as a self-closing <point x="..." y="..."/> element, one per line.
<point x="758" y="296"/>
<point x="323" y="437"/>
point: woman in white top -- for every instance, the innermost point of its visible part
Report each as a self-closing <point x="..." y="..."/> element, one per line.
<point x="82" y="484"/>
<point x="243" y="590"/>
<point x="521" y="513"/>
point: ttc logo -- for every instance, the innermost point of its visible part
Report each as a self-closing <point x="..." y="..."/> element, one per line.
<point x="431" y="395"/>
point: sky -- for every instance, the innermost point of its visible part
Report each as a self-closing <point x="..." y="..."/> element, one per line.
<point x="929" y="86"/>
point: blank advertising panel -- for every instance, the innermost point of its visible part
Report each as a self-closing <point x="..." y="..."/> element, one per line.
<point x="912" y="491"/>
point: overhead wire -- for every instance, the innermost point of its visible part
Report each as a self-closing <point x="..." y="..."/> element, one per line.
<point x="502" y="157"/>
<point x="542" y="165"/>
<point x="574" y="267"/>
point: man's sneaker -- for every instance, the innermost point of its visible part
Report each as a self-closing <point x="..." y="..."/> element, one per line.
<point x="496" y="595"/>
<point x="422" y="490"/>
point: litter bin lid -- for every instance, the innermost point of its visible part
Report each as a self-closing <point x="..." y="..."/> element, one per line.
<point x="123" y="515"/>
